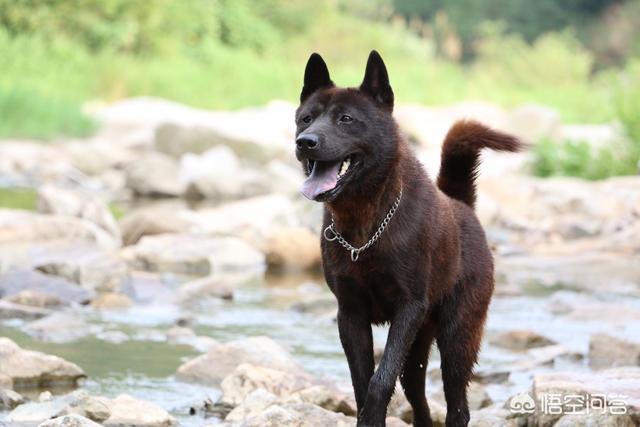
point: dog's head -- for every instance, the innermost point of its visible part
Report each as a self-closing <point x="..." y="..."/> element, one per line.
<point x="345" y="137"/>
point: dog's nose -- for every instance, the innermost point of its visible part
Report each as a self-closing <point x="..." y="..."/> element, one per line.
<point x="307" y="142"/>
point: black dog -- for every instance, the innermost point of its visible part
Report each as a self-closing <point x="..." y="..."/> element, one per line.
<point x="395" y="247"/>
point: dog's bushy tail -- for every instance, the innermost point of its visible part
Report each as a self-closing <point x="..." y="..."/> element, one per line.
<point x="460" y="157"/>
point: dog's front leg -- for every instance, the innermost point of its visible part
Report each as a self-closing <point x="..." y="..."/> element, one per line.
<point x="402" y="333"/>
<point x="357" y="342"/>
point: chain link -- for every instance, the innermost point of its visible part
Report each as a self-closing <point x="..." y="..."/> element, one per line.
<point x="355" y="252"/>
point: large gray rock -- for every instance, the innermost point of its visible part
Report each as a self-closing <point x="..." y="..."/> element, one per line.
<point x="218" y="175"/>
<point x="293" y="415"/>
<point x="532" y="122"/>
<point x="32" y="369"/>
<point x="15" y="282"/>
<point x="606" y="351"/>
<point x="77" y="203"/>
<point x="78" y="404"/>
<point x="91" y="267"/>
<point x="96" y="156"/>
<point x="152" y="220"/>
<point x="592" y="420"/>
<point x="221" y="360"/>
<point x="127" y="411"/>
<point x="154" y="175"/>
<point x="247" y="378"/>
<point x="193" y="254"/>
<point x="620" y="384"/>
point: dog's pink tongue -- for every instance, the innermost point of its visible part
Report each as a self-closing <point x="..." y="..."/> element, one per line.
<point x="324" y="177"/>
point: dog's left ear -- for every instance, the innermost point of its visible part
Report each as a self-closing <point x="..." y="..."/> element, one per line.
<point x="376" y="81"/>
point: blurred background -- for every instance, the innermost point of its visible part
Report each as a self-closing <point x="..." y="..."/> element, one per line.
<point x="153" y="237"/>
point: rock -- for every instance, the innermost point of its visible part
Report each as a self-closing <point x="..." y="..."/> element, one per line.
<point x="154" y="220"/>
<point x="326" y="398"/>
<point x="179" y="333"/>
<point x="618" y="385"/>
<point x="247" y="378"/>
<point x="319" y="305"/>
<point x="34" y="299"/>
<point x="218" y="175"/>
<point x="193" y="254"/>
<point x="534" y="122"/>
<point x="154" y="175"/>
<point x="252" y="219"/>
<point x="9" y="310"/>
<point x="211" y="368"/>
<point x="129" y="412"/>
<point x="606" y="351"/>
<point x="14" y="282"/>
<point x="295" y="415"/>
<point x="492" y="418"/>
<point x="96" y="156"/>
<point x="32" y="162"/>
<point x="111" y="301"/>
<point x="600" y="420"/>
<point x="58" y="328"/>
<point x="394" y="422"/>
<point x="292" y="248"/>
<point x="71" y="420"/>
<point x="205" y="287"/>
<point x="252" y="405"/>
<point x="77" y="403"/>
<point x="22" y="228"/>
<point x="520" y="340"/>
<point x="93" y="268"/>
<point x="77" y="203"/>
<point x="5" y="381"/>
<point x="9" y="399"/>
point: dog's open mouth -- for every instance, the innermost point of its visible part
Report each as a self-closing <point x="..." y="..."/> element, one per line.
<point x="325" y="177"/>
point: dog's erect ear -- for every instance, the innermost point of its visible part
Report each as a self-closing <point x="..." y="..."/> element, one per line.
<point x="376" y="81"/>
<point x="316" y="76"/>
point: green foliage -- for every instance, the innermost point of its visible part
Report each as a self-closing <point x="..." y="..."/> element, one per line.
<point x="14" y="198"/>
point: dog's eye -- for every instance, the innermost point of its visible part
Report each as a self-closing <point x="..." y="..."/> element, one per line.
<point x="306" y="119"/>
<point x="345" y="118"/>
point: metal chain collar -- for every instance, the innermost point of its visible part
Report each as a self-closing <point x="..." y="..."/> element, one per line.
<point x="355" y="252"/>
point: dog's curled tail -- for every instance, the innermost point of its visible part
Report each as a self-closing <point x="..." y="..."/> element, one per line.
<point x="460" y="157"/>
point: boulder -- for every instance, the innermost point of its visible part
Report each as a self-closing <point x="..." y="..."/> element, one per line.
<point x="599" y="420"/>
<point x="492" y="417"/>
<point x="77" y="203"/>
<point x="96" y="156"/>
<point x="78" y="403"/>
<point x="154" y="220"/>
<point x="205" y="287"/>
<point x="292" y="248"/>
<point x="32" y="369"/>
<point x="520" y="340"/>
<point x="111" y="301"/>
<point x="154" y="175"/>
<point x="91" y="267"/>
<point x="20" y="229"/>
<point x="71" y="420"/>
<point x="14" y="282"/>
<point x="533" y="122"/>
<point x="58" y="328"/>
<point x="606" y="351"/>
<point x="326" y="398"/>
<point x="129" y="412"/>
<point x="221" y="360"/>
<point x="9" y="399"/>
<point x="247" y="378"/>
<point x="619" y="386"/>
<point x="34" y="299"/>
<point x="10" y="310"/>
<point x="193" y="254"/>
<point x="217" y="175"/>
<point x="294" y="415"/>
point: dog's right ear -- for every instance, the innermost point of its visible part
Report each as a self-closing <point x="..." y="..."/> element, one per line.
<point x="316" y="76"/>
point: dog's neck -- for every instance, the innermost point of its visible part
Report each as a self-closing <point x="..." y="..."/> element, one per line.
<point x="360" y="213"/>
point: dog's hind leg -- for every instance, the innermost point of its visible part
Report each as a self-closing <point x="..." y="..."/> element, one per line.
<point x="413" y="375"/>
<point x="459" y="336"/>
